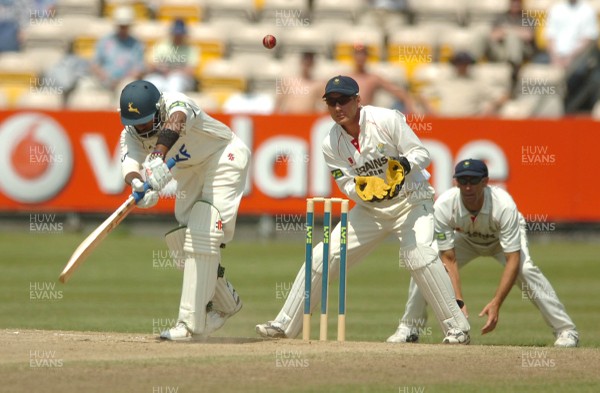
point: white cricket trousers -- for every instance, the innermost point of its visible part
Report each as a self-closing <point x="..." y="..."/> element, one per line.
<point x="533" y="284"/>
<point x="220" y="181"/>
<point x="411" y="224"/>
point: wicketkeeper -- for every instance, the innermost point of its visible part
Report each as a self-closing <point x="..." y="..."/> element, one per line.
<point x="378" y="162"/>
<point x="211" y="169"/>
<point x="472" y="220"/>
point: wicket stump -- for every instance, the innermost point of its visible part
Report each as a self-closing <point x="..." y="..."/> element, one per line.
<point x="310" y="207"/>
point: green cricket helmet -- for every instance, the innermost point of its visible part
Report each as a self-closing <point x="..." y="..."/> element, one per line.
<point x="139" y="103"/>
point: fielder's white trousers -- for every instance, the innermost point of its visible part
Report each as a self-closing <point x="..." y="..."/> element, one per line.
<point x="533" y="284"/>
<point x="411" y="224"/>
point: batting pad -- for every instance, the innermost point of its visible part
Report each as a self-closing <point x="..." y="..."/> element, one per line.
<point x="226" y="298"/>
<point x="203" y="237"/>
<point x="175" y="240"/>
<point x="434" y="283"/>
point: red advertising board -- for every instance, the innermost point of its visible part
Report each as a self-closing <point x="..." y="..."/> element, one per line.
<point x="69" y="161"/>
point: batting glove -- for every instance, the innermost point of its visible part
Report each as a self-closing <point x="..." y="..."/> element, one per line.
<point x="150" y="197"/>
<point x="396" y="174"/>
<point x="157" y="172"/>
<point x="371" y="188"/>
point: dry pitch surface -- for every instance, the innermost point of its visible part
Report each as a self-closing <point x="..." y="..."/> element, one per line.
<point x="55" y="361"/>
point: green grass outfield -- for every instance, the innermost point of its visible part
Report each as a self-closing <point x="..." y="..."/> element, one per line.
<point x="125" y="287"/>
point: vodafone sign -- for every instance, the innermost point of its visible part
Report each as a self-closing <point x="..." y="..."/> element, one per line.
<point x="69" y="161"/>
<point x="35" y="156"/>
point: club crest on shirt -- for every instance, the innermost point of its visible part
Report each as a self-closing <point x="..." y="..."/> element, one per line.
<point x="337" y="173"/>
<point x="380" y="148"/>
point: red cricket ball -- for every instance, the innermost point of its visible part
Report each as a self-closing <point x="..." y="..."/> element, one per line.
<point x="269" y="41"/>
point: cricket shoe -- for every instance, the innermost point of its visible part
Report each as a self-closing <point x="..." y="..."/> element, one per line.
<point x="215" y="319"/>
<point x="457" y="336"/>
<point x="270" y="329"/>
<point x="177" y="333"/>
<point x="404" y="334"/>
<point x="567" y="339"/>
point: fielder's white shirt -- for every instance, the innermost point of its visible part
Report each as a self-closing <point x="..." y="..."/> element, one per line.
<point x="383" y="133"/>
<point x="498" y="221"/>
<point x="200" y="139"/>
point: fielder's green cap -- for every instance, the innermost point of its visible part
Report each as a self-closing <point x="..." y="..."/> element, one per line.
<point x="341" y="84"/>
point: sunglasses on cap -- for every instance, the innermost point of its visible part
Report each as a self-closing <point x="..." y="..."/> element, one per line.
<point x="342" y="100"/>
<point x="463" y="181"/>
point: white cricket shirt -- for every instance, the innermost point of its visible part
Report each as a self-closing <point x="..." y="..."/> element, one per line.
<point x="201" y="138"/>
<point x="383" y="133"/>
<point x="497" y="221"/>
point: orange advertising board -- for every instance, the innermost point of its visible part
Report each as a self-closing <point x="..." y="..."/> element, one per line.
<point x="69" y="161"/>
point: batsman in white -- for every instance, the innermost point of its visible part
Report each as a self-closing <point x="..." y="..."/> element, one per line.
<point x="211" y="169"/>
<point x="472" y="220"/>
<point x="378" y="162"/>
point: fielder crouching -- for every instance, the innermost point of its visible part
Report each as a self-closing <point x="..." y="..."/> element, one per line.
<point x="473" y="220"/>
<point x="211" y="169"/>
<point x="379" y="163"/>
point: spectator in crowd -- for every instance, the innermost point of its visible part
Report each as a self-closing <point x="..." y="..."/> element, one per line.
<point x="512" y="36"/>
<point x="300" y="94"/>
<point x="461" y="95"/>
<point x="173" y="62"/>
<point x="119" y="56"/>
<point x="14" y="18"/>
<point x="67" y="72"/>
<point x="571" y="34"/>
<point x="370" y="83"/>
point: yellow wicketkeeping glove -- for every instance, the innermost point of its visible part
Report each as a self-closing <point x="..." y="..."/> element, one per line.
<point x="371" y="188"/>
<point x="395" y="174"/>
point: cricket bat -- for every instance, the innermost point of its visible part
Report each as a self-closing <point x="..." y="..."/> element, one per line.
<point x="95" y="238"/>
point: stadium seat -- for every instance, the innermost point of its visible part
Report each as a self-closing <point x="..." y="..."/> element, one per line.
<point x="139" y="7"/>
<point x="344" y="43"/>
<point x="285" y="13"/>
<point x="42" y="99"/>
<point x="223" y="75"/>
<point x="497" y="76"/>
<point x="207" y="102"/>
<point x="83" y="99"/>
<point x="243" y="10"/>
<point x="326" y="69"/>
<point x="340" y="10"/>
<point x="539" y="94"/>
<point x="210" y="39"/>
<point x="189" y="10"/>
<point x="45" y="57"/>
<point x="305" y="39"/>
<point x="411" y="47"/>
<point x="150" y="32"/>
<point x="46" y="35"/>
<point x="84" y="43"/>
<point x="438" y="10"/>
<point x="427" y="74"/>
<point x="461" y="39"/>
<point x="247" y="38"/>
<point x="486" y="10"/>
<point x="78" y="7"/>
<point x="263" y="71"/>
